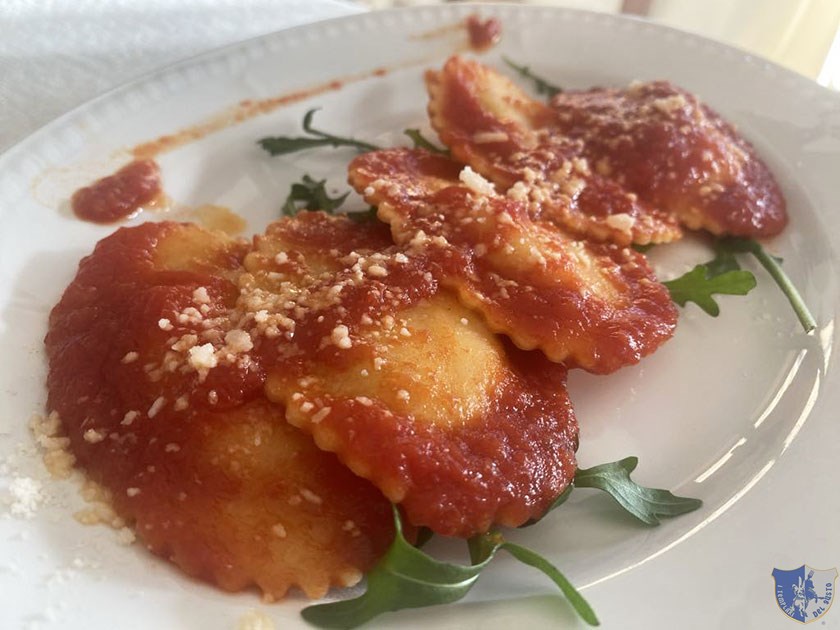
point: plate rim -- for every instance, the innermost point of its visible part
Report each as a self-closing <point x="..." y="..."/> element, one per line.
<point x="158" y="73"/>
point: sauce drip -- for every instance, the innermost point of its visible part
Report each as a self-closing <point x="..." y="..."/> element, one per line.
<point x="138" y="184"/>
<point x="119" y="195"/>
<point x="483" y="33"/>
<point x="246" y="110"/>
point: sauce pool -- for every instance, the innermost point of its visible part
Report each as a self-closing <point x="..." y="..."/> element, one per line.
<point x="483" y="33"/>
<point x="119" y="195"/>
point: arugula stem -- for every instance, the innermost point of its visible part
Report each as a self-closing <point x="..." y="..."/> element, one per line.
<point x="483" y="548"/>
<point x="542" y="86"/>
<point x="578" y="602"/>
<point x="336" y="141"/>
<point x="283" y="145"/>
<point x="420" y="142"/>
<point x="783" y="281"/>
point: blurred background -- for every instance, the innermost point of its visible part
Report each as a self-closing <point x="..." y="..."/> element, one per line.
<point x="803" y="35"/>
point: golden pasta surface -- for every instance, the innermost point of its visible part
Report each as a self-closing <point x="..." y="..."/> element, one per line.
<point x="596" y="306"/>
<point x="384" y="373"/>
<point x="160" y="390"/>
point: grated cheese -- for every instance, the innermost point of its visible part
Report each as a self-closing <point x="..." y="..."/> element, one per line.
<point x="203" y="357"/>
<point x="160" y="401"/>
<point x="27" y="496"/>
<point x="622" y="222"/>
<point x="200" y="296"/>
<point x="255" y="620"/>
<point x="341" y="337"/>
<point x="476" y="182"/>
<point x="93" y="436"/>
<point x="130" y="357"/>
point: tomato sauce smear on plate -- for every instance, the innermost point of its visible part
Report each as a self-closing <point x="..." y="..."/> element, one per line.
<point x="120" y="195"/>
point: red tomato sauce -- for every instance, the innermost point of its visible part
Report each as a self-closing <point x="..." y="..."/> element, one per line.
<point x="119" y="195"/>
<point x="483" y="33"/>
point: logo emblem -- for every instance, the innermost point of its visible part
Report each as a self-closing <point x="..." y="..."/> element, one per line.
<point x="804" y="594"/>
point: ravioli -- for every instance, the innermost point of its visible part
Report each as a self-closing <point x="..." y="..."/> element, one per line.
<point x="624" y="165"/>
<point x="408" y="387"/>
<point x="594" y="306"/>
<point x="159" y="387"/>
<point x="512" y="139"/>
<point x="663" y="144"/>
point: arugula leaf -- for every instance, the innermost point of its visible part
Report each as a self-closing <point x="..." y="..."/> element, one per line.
<point x="421" y="142"/>
<point x="581" y="606"/>
<point x="541" y="85"/>
<point x="724" y="275"/>
<point x="615" y="477"/>
<point x="698" y="286"/>
<point x="646" y="504"/>
<point x="424" y="535"/>
<point x="406" y="577"/>
<point x="282" y="145"/>
<point x="313" y="195"/>
<point x="484" y="547"/>
<point x="723" y="261"/>
<point x="773" y="266"/>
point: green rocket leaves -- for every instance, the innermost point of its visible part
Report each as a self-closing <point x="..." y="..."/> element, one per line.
<point x="646" y="504"/>
<point x="701" y="283"/>
<point x="407" y="577"/>
<point x="723" y="275"/>
<point x="309" y="194"/>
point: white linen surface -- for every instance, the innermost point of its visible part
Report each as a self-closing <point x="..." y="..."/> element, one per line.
<point x="57" y="54"/>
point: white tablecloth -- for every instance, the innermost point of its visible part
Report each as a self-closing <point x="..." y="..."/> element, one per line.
<point x="55" y="55"/>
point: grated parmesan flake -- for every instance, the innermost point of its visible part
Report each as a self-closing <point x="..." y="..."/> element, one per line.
<point x="476" y="182"/>
<point x="27" y="495"/>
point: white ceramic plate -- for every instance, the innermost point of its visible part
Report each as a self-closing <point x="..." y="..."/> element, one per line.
<point x="738" y="410"/>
